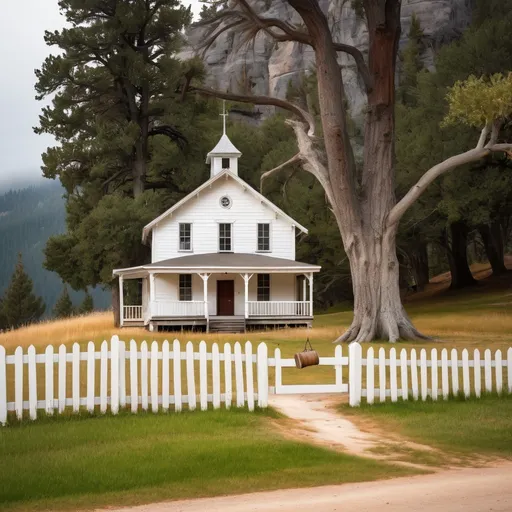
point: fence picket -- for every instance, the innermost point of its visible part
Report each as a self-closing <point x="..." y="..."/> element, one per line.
<point x="3" y="387"/>
<point x="75" y="372"/>
<point x="355" y="374"/>
<point x="455" y="371"/>
<point x="423" y="371"/>
<point x="154" y="377"/>
<point x="103" y="377"/>
<point x="215" y="376"/>
<point x="122" y="374"/>
<point x="228" y="391"/>
<point x="414" y="374"/>
<point x="176" y="373"/>
<point x="144" y="375"/>
<point x="114" y="374"/>
<point x="91" y="364"/>
<point x="403" y="374"/>
<point x="445" y="382"/>
<point x="239" y="375"/>
<point x="134" y="377"/>
<point x="465" y="373"/>
<point x="48" y="380"/>
<point x="249" y="375"/>
<point x="499" y="371"/>
<point x="382" y="375"/>
<point x="62" y="378"/>
<point x="203" y="377"/>
<point x="434" y="374"/>
<point x="392" y="374"/>
<point x="477" y="372"/>
<point x="191" y="382"/>
<point x="509" y="369"/>
<point x="370" y="375"/>
<point x="18" y="382"/>
<point x="488" y="371"/>
<point x="263" y="374"/>
<point x="278" y="368"/>
<point x="32" y="383"/>
<point x="165" y="376"/>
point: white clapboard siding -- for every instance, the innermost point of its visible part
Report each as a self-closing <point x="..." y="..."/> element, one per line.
<point x="191" y="380"/>
<point x="48" y="380"/>
<point x="228" y="391"/>
<point x="176" y="373"/>
<point x="32" y="383"/>
<point x="165" y="375"/>
<point x="249" y="375"/>
<point x="203" y="376"/>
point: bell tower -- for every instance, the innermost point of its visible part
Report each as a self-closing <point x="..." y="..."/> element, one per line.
<point x="224" y="155"/>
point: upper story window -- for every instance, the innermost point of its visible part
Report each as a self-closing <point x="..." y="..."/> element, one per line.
<point x="185" y="237"/>
<point x="225" y="238"/>
<point x="264" y="237"/>
<point x="225" y="163"/>
<point x="263" y="287"/>
<point x="185" y="286"/>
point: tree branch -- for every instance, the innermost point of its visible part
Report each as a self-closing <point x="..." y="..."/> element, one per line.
<point x="357" y="55"/>
<point x="305" y="116"/>
<point x="292" y="160"/>
<point x="171" y="132"/>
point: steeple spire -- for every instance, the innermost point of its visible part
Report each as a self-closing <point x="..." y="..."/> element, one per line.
<point x="224" y="115"/>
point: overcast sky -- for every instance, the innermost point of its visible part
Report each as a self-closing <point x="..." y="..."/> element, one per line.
<point x="22" y="50"/>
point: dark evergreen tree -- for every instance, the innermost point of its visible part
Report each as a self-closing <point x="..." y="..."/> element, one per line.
<point x="20" y="305"/>
<point x="87" y="305"/>
<point x="64" y="307"/>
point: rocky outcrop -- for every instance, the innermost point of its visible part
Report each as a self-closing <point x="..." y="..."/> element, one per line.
<point x="267" y="67"/>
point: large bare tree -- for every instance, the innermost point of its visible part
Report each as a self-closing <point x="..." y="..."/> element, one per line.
<point x="362" y="200"/>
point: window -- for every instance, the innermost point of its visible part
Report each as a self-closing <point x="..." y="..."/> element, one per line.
<point x="225" y="202"/>
<point x="263" y="287"/>
<point x="185" y="287"/>
<point x="225" y="163"/>
<point x="185" y="237"/>
<point x="263" y="237"/>
<point x="224" y="237"/>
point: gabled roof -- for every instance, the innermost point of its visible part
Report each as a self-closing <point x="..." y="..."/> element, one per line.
<point x="222" y="262"/>
<point x="147" y="229"/>
<point x="223" y="147"/>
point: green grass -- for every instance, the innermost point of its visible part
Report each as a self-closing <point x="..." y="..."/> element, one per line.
<point x="73" y="462"/>
<point x="474" y="426"/>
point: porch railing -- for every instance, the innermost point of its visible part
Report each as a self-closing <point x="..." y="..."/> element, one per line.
<point x="279" y="308"/>
<point x="171" y="308"/>
<point x="132" y="313"/>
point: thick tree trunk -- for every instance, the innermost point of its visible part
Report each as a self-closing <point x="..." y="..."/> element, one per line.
<point x="458" y="257"/>
<point x="116" y="304"/>
<point x="492" y="239"/>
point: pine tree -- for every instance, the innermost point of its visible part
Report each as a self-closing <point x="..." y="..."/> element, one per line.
<point x="64" y="307"/>
<point x="3" y="320"/>
<point x="87" y="305"/>
<point x="20" y="305"/>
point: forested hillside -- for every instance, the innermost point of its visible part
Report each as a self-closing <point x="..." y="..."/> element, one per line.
<point x="28" y="217"/>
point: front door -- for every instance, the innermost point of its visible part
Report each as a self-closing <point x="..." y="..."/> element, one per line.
<point x="225" y="298"/>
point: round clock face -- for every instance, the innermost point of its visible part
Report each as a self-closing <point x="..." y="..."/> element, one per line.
<point x="225" y="202"/>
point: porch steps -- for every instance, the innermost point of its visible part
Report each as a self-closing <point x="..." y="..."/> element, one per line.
<point x="227" y="324"/>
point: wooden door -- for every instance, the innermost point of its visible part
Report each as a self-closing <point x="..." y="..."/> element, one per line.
<point x="226" y="298"/>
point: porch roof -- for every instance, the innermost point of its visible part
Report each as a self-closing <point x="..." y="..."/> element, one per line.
<point x="221" y="262"/>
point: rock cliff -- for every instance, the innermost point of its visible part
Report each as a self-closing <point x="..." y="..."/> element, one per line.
<point x="267" y="67"/>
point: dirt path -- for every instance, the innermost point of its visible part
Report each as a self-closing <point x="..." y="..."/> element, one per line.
<point x="468" y="490"/>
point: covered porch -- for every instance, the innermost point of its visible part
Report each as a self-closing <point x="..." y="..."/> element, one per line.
<point x="223" y="292"/>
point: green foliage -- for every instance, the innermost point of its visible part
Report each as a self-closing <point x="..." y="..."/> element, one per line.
<point x="20" y="306"/>
<point x="210" y="8"/>
<point x="411" y="63"/>
<point x="479" y="101"/>
<point x="87" y="305"/>
<point x="64" y="307"/>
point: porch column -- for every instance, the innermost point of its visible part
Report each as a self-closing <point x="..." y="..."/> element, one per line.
<point x="205" y="278"/>
<point x="121" y="301"/>
<point x="247" y="278"/>
<point x="151" y="293"/>
<point x="311" y="294"/>
<point x="304" y="289"/>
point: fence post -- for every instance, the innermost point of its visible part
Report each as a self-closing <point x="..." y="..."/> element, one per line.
<point x="354" y="374"/>
<point x="114" y="374"/>
<point x="262" y="375"/>
<point x="3" y="387"/>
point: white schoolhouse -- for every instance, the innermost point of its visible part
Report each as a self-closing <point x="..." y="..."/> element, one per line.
<point x="222" y="259"/>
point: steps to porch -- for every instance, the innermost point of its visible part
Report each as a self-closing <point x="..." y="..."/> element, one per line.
<point x="227" y="324"/>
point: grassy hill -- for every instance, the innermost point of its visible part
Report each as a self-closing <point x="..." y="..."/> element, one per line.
<point x="28" y="217"/>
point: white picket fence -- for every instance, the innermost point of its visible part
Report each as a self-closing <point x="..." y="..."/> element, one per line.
<point x="134" y="376"/>
<point x="431" y="375"/>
